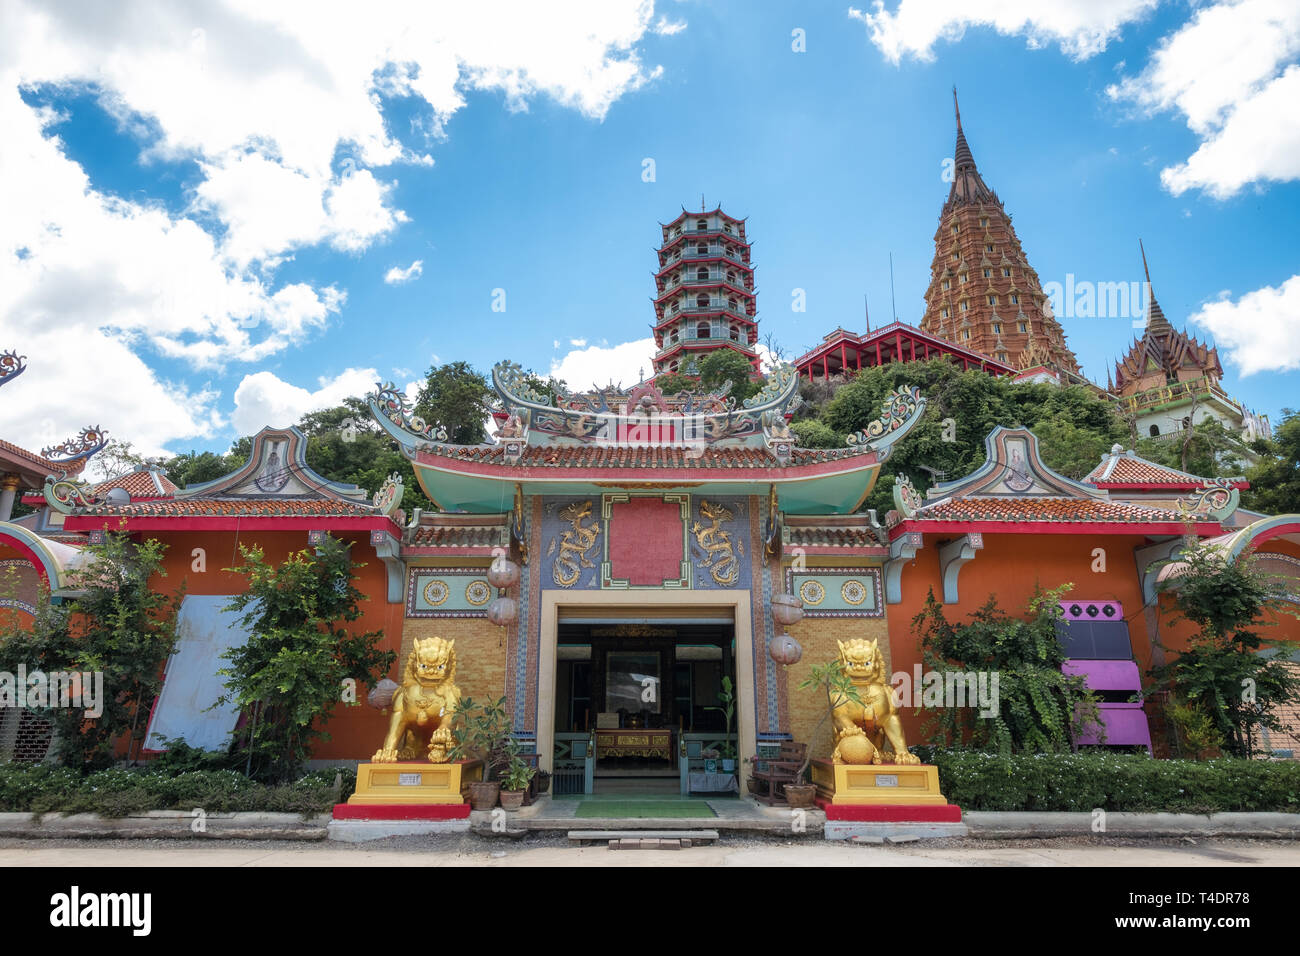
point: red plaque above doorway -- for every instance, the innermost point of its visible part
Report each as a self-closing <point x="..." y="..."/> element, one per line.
<point x="645" y="541"/>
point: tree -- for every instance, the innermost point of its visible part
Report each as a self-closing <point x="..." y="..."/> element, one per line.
<point x="289" y="676"/>
<point x="1222" y="672"/>
<point x="1037" y="704"/>
<point x="1275" y="479"/>
<point x="670" y="383"/>
<point x="458" y="398"/>
<point x="120" y="627"/>
<point x="195" y="468"/>
<point x="1073" y="425"/>
<point x="811" y="433"/>
<point x="346" y="444"/>
<point x="727" y="365"/>
<point x="1207" y="449"/>
<point x="116" y="458"/>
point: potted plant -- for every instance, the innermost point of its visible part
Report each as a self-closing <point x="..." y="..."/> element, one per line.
<point x="515" y="780"/>
<point x="727" y="698"/>
<point x="482" y="732"/>
<point x="543" y="778"/>
<point x="833" y="683"/>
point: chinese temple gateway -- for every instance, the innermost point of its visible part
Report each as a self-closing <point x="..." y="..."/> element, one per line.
<point x="668" y="551"/>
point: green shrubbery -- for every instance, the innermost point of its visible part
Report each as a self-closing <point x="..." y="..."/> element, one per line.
<point x="47" y="788"/>
<point x="1113" y="782"/>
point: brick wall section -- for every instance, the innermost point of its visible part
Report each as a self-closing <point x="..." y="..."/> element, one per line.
<point x="818" y="637"/>
<point x="480" y="652"/>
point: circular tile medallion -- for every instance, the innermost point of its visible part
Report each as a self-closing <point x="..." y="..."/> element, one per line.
<point x="478" y="593"/>
<point x="435" y="592"/>
<point x="811" y="592"/>
<point x="853" y="592"/>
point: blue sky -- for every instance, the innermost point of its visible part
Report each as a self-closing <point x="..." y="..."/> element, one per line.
<point x="223" y="261"/>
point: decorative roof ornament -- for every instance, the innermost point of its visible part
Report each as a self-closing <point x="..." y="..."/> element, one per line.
<point x="389" y="496"/>
<point x="613" y="415"/>
<point x="906" y="498"/>
<point x="72" y="450"/>
<point x="391" y="403"/>
<point x="11" y="366"/>
<point x="1217" y="498"/>
<point x="897" y="410"/>
<point x="64" y="494"/>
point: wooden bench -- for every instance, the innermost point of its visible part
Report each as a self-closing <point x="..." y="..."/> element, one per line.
<point x="772" y="773"/>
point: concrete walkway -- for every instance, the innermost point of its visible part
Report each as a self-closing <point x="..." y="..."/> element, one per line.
<point x="729" y="813"/>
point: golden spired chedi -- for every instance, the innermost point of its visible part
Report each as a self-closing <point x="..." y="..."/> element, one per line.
<point x="424" y="705"/>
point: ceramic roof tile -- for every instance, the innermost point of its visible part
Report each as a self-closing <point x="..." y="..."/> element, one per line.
<point x="1129" y="469"/>
<point x="1044" y="509"/>
<point x="462" y="537"/>
<point x="640" y="456"/>
<point x="40" y="461"/>
<point x="232" y="507"/>
<point x="138" y="484"/>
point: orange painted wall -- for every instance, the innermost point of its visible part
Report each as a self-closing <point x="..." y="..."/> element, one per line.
<point x="355" y="729"/>
<point x="1276" y="626"/>
<point x="1008" y="567"/>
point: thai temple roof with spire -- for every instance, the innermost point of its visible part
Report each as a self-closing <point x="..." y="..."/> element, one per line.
<point x="983" y="293"/>
<point x="967" y="184"/>
<point x="1163" y="355"/>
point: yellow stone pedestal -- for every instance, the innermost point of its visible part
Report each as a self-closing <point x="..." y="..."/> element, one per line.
<point x="877" y="784"/>
<point x="414" y="782"/>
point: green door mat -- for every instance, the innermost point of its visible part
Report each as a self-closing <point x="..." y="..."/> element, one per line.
<point x="640" y="809"/>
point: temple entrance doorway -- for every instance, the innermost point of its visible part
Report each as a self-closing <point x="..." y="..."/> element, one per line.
<point x="641" y="701"/>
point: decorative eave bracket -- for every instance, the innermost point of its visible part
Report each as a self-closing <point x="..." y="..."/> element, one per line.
<point x="1150" y="561"/>
<point x="388" y="549"/>
<point x="952" y="556"/>
<point x="901" y="551"/>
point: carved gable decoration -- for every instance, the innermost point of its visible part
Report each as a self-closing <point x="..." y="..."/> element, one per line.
<point x="1013" y="468"/>
<point x="277" y="468"/>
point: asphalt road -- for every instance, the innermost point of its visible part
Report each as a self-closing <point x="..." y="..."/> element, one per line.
<point x="471" y="850"/>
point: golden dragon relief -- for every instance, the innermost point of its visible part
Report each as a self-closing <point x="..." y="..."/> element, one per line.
<point x="574" y="545"/>
<point x="720" y="549"/>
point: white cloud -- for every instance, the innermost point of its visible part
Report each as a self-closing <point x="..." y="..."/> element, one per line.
<point x="578" y="343"/>
<point x="1260" y="331"/>
<point x="269" y="209"/>
<point x="1230" y="71"/>
<point x="1082" y="28"/>
<point x="264" y="398"/>
<point x="593" y="366"/>
<point x="281" y="110"/>
<point x="396" y="275"/>
<point x="667" y="28"/>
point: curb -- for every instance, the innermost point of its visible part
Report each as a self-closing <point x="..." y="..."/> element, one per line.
<point x="164" y="824"/>
<point x="997" y="825"/>
<point x="980" y="825"/>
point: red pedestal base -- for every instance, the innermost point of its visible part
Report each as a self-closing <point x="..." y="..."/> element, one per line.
<point x="402" y="811"/>
<point x="890" y="813"/>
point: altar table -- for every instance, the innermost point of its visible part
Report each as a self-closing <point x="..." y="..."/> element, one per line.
<point x="634" y="743"/>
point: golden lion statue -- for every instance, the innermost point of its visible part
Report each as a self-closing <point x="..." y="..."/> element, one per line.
<point x="861" y="729"/>
<point x="423" y="706"/>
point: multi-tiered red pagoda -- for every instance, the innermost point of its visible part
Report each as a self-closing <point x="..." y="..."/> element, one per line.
<point x="704" y="292"/>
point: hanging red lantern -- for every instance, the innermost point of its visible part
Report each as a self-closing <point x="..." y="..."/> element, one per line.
<point x="503" y="611"/>
<point x="784" y="649"/>
<point x="502" y="572"/>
